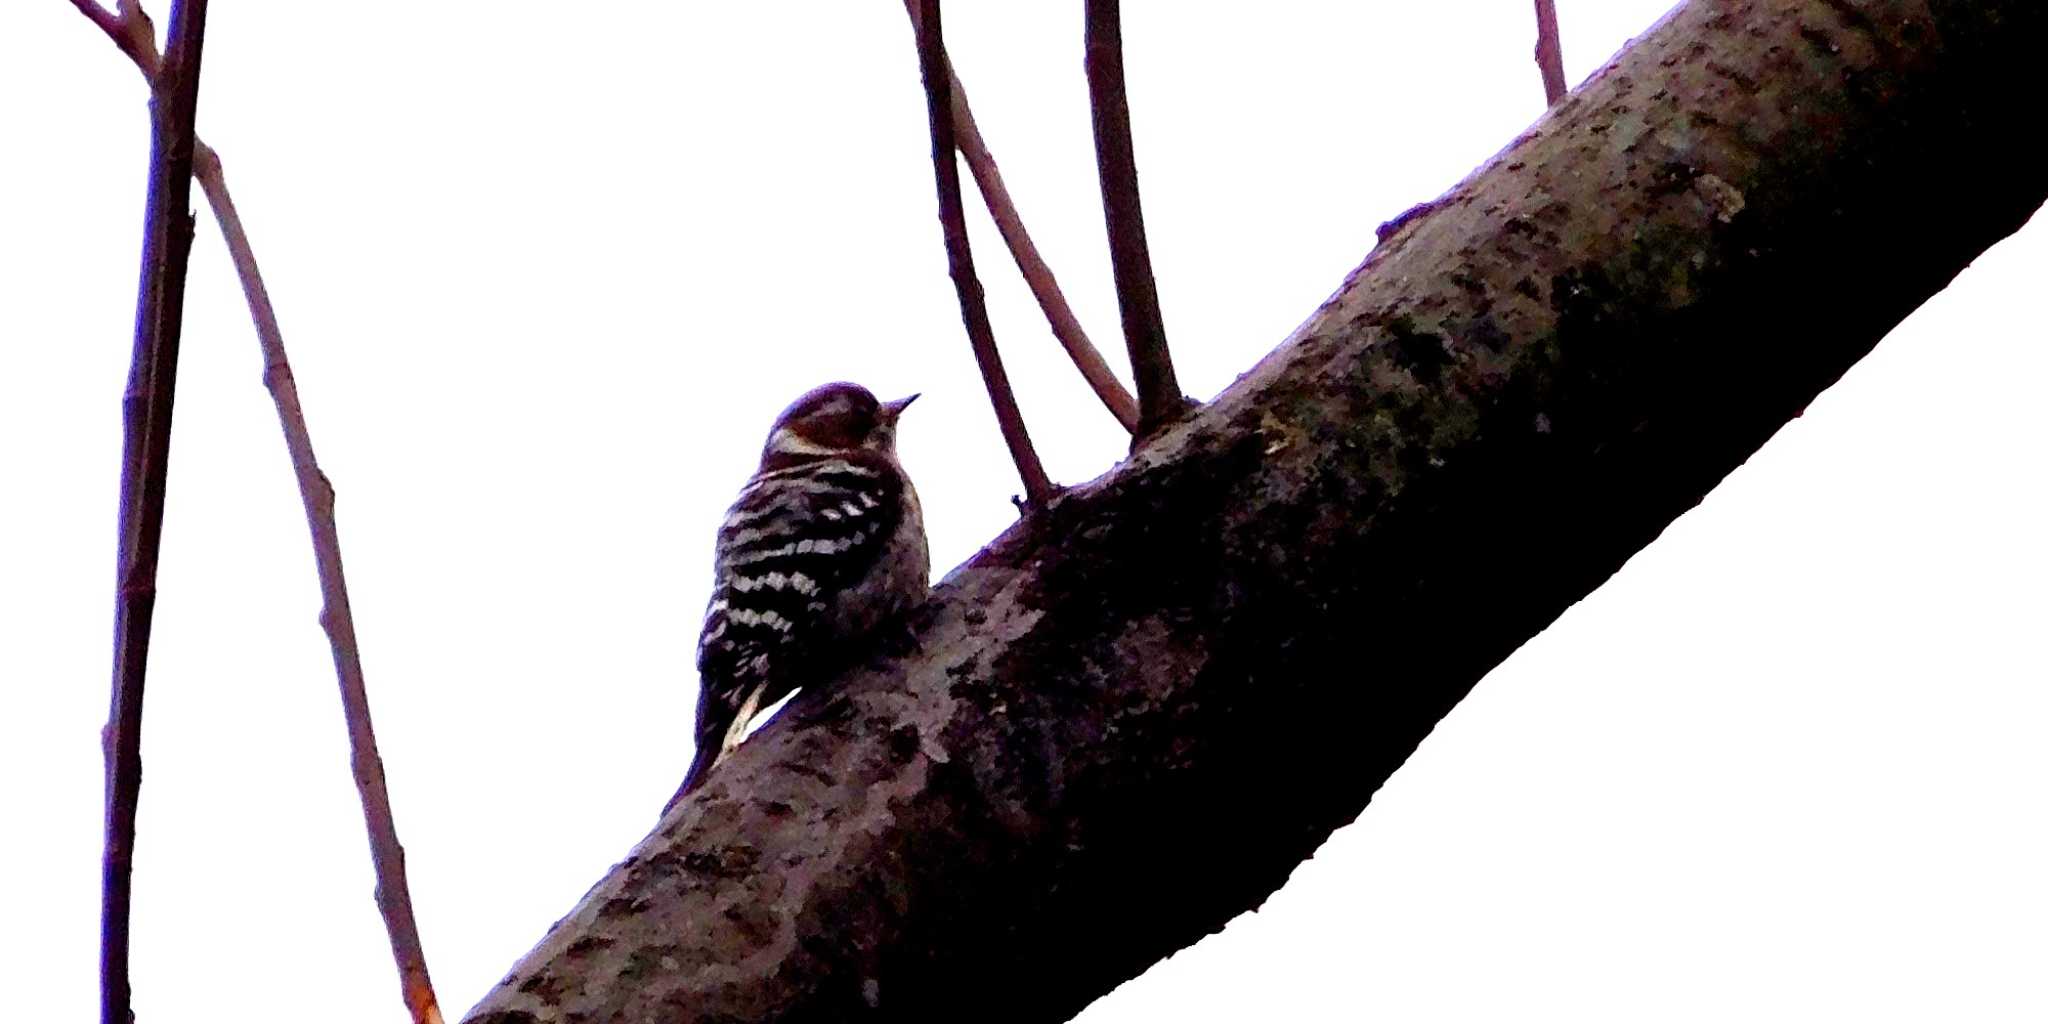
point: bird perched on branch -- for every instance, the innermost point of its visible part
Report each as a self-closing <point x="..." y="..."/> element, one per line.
<point x="825" y="543"/>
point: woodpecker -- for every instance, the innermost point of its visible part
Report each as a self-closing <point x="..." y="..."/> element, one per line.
<point x="825" y="543"/>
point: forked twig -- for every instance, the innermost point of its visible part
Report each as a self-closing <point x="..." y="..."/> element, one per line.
<point x="145" y="452"/>
<point x="931" y="60"/>
<point x="130" y="30"/>
<point x="1549" y="52"/>
<point x="1037" y="275"/>
<point x="1159" y="396"/>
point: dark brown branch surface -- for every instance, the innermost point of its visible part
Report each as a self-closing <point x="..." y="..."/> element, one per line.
<point x="1549" y="51"/>
<point x="145" y="457"/>
<point x="1131" y="717"/>
<point x="931" y="60"/>
<point x="1159" y="396"/>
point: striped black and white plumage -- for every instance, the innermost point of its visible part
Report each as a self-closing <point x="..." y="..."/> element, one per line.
<point x="825" y="543"/>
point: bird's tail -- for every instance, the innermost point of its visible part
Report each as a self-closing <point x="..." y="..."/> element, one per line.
<point x="714" y="743"/>
<point x="700" y="766"/>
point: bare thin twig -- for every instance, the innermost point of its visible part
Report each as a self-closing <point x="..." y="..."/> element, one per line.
<point x="1159" y="396"/>
<point x="387" y="856"/>
<point x="1549" y="52"/>
<point x="931" y="59"/>
<point x="108" y="22"/>
<point x="1037" y="275"/>
<point x="145" y="454"/>
<point x="130" y="30"/>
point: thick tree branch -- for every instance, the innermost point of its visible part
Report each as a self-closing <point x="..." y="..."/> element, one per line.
<point x="145" y="457"/>
<point x="1066" y="327"/>
<point x="1131" y="717"/>
<point x="1159" y="396"/>
<point x="1549" y="51"/>
<point x="931" y="60"/>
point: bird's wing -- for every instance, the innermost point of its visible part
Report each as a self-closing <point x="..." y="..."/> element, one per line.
<point x="793" y="543"/>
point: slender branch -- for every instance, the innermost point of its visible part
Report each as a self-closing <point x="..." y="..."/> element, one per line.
<point x="387" y="856"/>
<point x="1549" y="52"/>
<point x="130" y="30"/>
<point x="1159" y="396"/>
<point x="108" y="22"/>
<point x="145" y="454"/>
<point x="1037" y="275"/>
<point x="931" y="60"/>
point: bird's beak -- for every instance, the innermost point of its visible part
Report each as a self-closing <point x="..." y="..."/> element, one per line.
<point x="891" y="410"/>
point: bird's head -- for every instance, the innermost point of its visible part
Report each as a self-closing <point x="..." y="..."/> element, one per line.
<point x="834" y="419"/>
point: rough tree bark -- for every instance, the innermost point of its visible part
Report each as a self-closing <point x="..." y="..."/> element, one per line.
<point x="1130" y="717"/>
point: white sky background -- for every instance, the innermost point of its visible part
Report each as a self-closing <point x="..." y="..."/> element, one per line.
<point x="546" y="272"/>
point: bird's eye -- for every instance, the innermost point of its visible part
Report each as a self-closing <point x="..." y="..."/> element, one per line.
<point x="839" y="429"/>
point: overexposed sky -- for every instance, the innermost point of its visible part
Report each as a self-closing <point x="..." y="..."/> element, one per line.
<point x="546" y="272"/>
